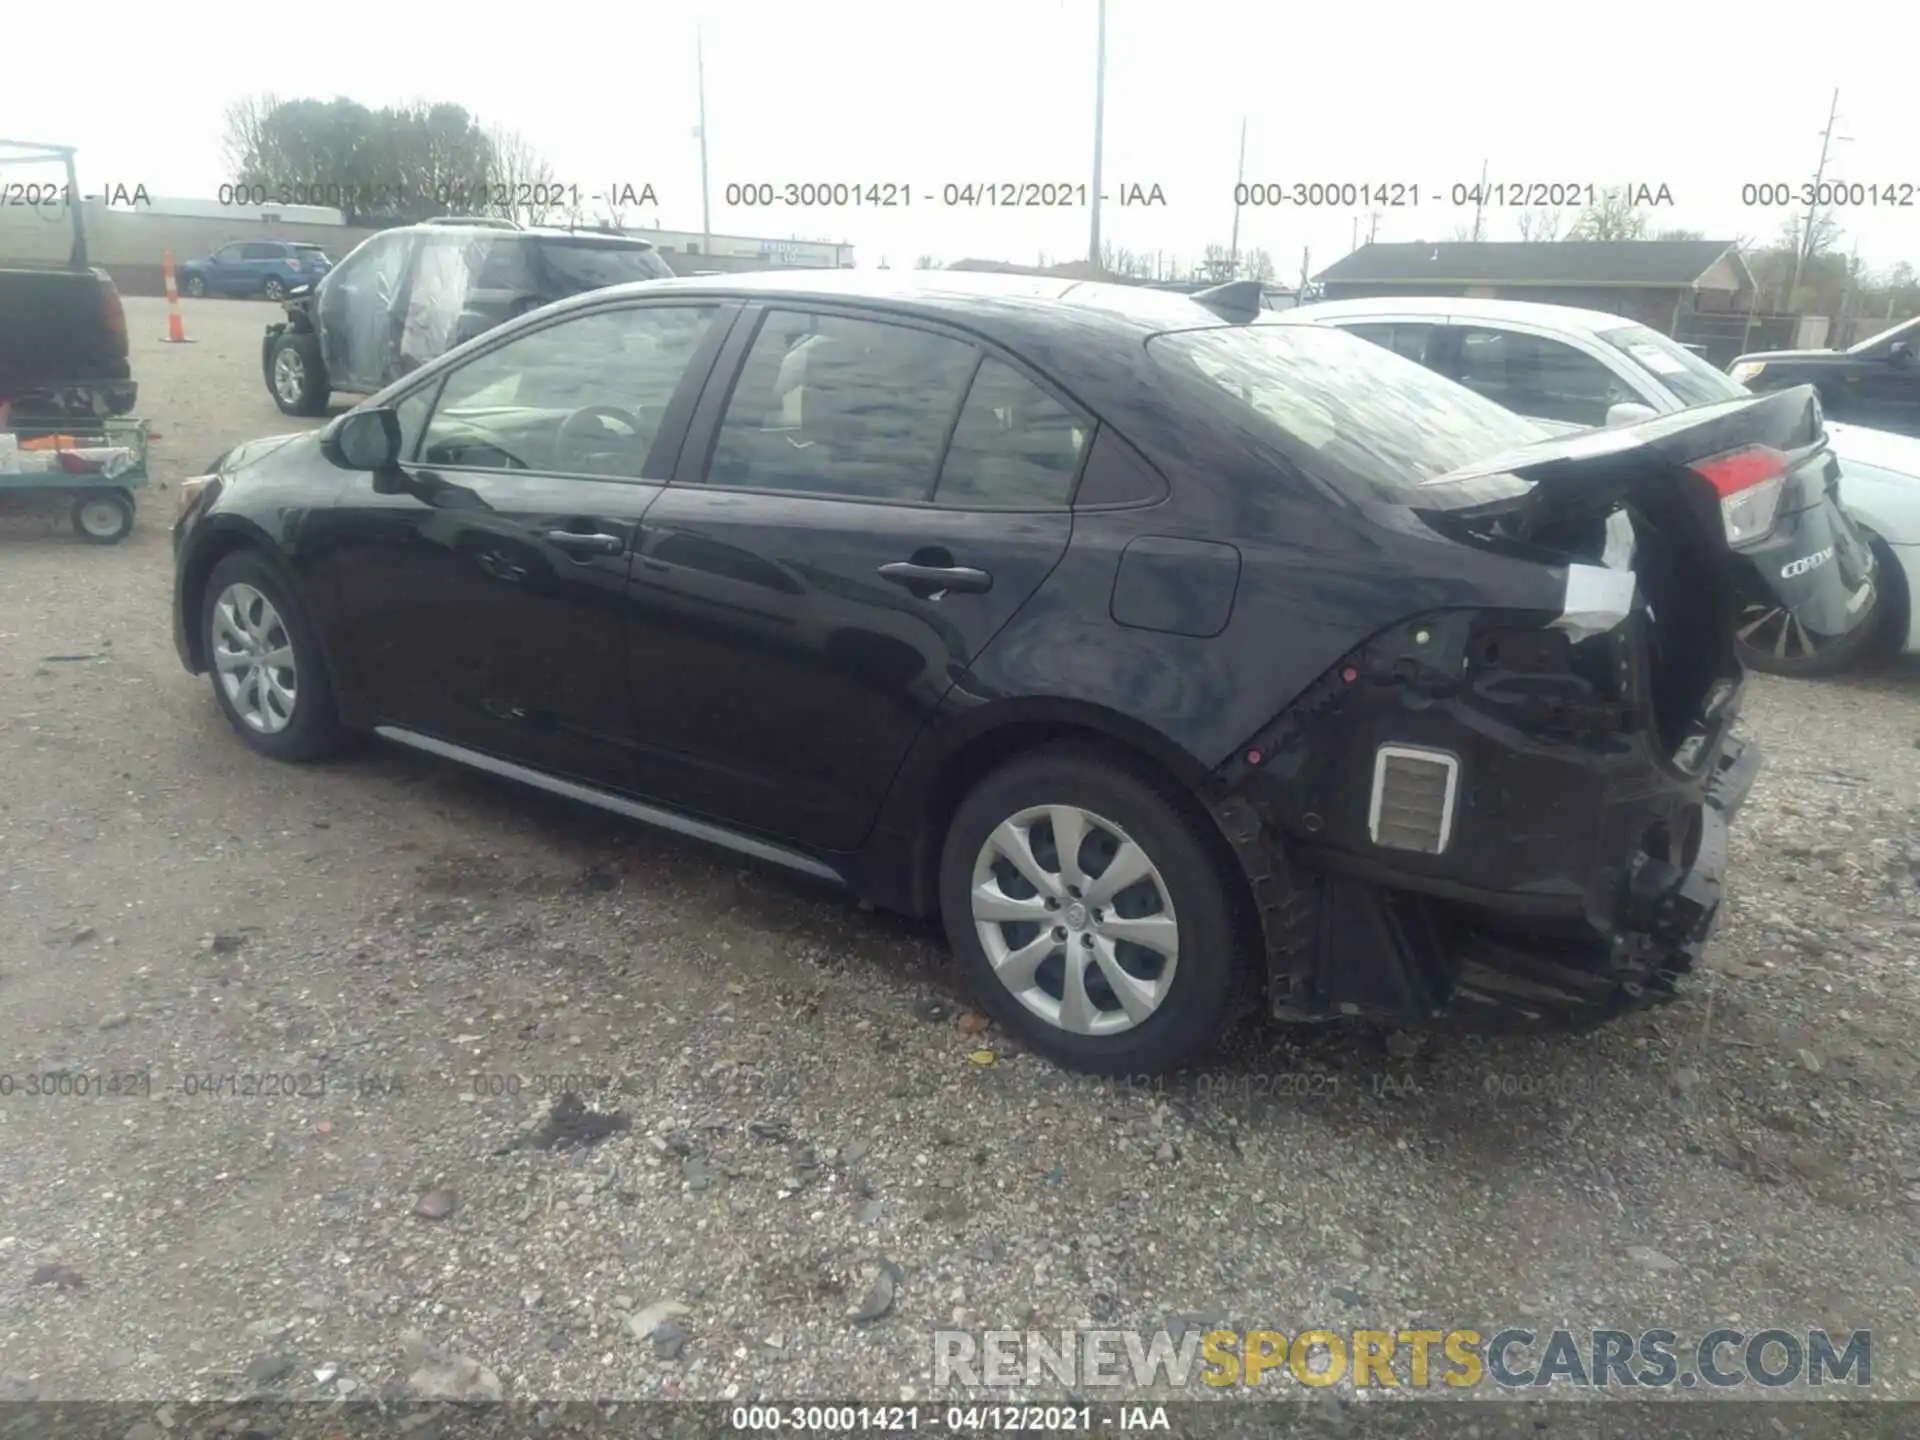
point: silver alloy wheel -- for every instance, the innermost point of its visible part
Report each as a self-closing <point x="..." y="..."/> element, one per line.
<point x="102" y="519"/>
<point x="253" y="654"/>
<point x="1777" y="631"/>
<point x="275" y="289"/>
<point x="1076" y="919"/>
<point x="289" y="375"/>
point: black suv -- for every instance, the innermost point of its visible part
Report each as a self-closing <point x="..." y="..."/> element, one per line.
<point x="406" y="296"/>
<point x="1875" y="383"/>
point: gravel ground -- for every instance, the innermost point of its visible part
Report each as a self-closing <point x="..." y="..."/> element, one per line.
<point x="803" y="1101"/>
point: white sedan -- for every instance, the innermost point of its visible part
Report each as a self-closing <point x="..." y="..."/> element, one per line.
<point x="1584" y="368"/>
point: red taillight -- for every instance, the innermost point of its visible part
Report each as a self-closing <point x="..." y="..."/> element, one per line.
<point x="293" y="264"/>
<point x="1739" y="470"/>
<point x="112" y="312"/>
<point x="1749" y="483"/>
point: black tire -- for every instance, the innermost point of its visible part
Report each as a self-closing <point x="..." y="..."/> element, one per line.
<point x="275" y="288"/>
<point x="313" y="729"/>
<point x="306" y="390"/>
<point x="194" y="285"/>
<point x="1778" y="646"/>
<point x="103" y="517"/>
<point x="1210" y="970"/>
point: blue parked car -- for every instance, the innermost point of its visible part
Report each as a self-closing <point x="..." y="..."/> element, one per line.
<point x="255" y="267"/>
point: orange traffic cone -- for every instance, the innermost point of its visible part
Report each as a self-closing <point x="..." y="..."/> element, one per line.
<point x="176" y="332"/>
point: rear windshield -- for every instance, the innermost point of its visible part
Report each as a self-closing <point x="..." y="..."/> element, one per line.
<point x="1361" y="417"/>
<point x="577" y="266"/>
<point x="1673" y="365"/>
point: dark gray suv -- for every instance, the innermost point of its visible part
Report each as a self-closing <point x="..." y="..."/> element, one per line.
<point x="408" y="295"/>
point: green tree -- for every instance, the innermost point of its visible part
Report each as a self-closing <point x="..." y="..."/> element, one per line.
<point x="387" y="166"/>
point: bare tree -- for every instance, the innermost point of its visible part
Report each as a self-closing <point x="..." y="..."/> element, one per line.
<point x="1613" y="216"/>
<point x="1679" y="235"/>
<point x="520" y="183"/>
<point x="243" y="141"/>
<point x="1257" y="264"/>
<point x="1542" y="223"/>
<point x="1461" y="234"/>
<point x="1216" y="263"/>
<point x="926" y="262"/>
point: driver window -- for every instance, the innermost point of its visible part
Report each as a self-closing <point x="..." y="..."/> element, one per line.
<point x="582" y="397"/>
<point x="228" y="255"/>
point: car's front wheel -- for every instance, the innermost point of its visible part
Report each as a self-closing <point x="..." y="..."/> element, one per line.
<point x="1092" y="913"/>
<point x="194" y="285"/>
<point x="264" y="662"/>
<point x="297" y="375"/>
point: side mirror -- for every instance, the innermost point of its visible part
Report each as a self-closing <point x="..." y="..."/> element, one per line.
<point x="1629" y="412"/>
<point x="1900" y="353"/>
<point x="363" y="440"/>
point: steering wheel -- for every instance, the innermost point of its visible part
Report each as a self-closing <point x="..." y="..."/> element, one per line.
<point x="570" y="427"/>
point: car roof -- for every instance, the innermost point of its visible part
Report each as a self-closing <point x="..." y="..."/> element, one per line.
<point x="1021" y="302"/>
<point x="1519" y="312"/>
<point x="532" y="232"/>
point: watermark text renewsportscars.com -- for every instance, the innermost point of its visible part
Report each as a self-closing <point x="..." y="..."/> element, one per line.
<point x="1458" y="1359"/>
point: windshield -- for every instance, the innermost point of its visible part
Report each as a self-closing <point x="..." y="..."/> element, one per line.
<point x="1905" y="330"/>
<point x="580" y="267"/>
<point x="1373" y="424"/>
<point x="1678" y="368"/>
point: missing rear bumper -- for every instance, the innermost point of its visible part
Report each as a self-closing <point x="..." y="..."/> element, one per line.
<point x="1346" y="945"/>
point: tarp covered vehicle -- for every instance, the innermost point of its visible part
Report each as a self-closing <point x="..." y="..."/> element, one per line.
<point x="406" y="296"/>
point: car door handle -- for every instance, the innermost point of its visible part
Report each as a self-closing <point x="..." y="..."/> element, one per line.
<point x="593" y="544"/>
<point x="931" y="579"/>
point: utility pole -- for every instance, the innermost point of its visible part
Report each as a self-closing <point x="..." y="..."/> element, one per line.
<point x="706" y="198"/>
<point x="1803" y="252"/>
<point x="1239" y="180"/>
<point x="1099" y="132"/>
<point x="1480" y="201"/>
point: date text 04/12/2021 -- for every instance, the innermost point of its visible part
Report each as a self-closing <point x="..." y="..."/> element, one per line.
<point x="477" y="196"/>
<point x="961" y="1419"/>
<point x="1410" y="194"/>
<point x="952" y="194"/>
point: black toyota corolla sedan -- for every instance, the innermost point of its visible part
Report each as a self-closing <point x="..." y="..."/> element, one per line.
<point x="1182" y="661"/>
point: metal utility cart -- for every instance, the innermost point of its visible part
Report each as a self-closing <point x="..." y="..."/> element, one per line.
<point x="94" y="464"/>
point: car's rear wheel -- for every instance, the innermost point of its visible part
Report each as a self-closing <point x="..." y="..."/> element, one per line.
<point x="195" y="286"/>
<point x="1772" y="640"/>
<point x="264" y="662"/>
<point x="1094" y="918"/>
<point x="275" y="288"/>
<point x="297" y="375"/>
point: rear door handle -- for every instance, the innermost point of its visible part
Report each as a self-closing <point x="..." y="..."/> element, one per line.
<point x="927" y="580"/>
<point x="592" y="544"/>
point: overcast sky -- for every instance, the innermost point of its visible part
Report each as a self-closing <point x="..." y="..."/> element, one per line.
<point x="1700" y="97"/>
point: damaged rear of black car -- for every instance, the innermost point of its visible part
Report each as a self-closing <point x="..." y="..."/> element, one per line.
<point x="1511" y="804"/>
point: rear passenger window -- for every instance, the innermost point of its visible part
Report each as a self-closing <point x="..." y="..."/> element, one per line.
<point x="1015" y="448"/>
<point x="827" y="405"/>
